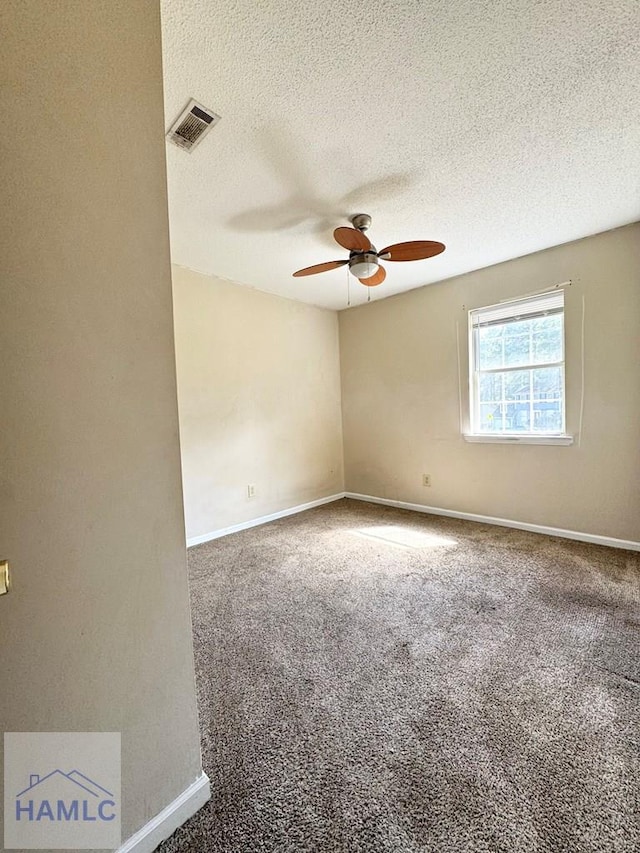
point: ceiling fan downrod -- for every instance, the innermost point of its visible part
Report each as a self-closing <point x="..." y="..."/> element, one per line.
<point x="361" y="221"/>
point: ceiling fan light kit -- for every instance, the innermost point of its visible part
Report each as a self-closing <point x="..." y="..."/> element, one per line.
<point x="363" y="265"/>
<point x="364" y="259"/>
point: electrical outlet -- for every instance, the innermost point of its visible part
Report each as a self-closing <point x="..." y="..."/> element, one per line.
<point x="426" y="479"/>
<point x="251" y="490"/>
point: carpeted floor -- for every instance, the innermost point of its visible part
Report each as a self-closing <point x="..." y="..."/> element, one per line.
<point x="475" y="690"/>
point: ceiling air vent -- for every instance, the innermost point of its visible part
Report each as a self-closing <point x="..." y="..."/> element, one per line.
<point x="194" y="122"/>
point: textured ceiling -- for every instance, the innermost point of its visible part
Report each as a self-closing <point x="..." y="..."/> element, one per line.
<point x="498" y="127"/>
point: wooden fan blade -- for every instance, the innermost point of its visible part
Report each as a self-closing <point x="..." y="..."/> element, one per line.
<point x="330" y="265"/>
<point x="414" y="250"/>
<point x="350" y="238"/>
<point x="376" y="278"/>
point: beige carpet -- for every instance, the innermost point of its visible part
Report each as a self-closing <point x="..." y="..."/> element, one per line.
<point x="372" y="679"/>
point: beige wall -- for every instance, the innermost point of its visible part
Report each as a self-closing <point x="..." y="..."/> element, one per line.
<point x="401" y="412"/>
<point x="96" y="632"/>
<point x="259" y="397"/>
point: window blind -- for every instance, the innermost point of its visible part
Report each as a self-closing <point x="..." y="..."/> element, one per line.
<point x="519" y="309"/>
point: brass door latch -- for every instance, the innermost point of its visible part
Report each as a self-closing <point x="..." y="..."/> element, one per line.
<point x="5" y="577"/>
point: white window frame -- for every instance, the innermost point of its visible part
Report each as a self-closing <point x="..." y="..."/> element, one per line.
<point x="531" y="306"/>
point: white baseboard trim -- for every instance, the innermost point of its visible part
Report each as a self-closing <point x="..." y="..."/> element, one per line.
<point x="166" y="822"/>
<point x="595" y="539"/>
<point x="263" y="519"/>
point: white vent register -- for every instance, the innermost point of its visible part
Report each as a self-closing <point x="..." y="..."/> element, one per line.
<point x="193" y="123"/>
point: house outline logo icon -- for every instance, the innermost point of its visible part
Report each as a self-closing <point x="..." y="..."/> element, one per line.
<point x="35" y="779"/>
<point x="50" y="803"/>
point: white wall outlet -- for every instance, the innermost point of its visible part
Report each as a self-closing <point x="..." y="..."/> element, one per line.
<point x="426" y="479"/>
<point x="251" y="490"/>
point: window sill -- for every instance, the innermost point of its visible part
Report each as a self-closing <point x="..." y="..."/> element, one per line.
<point x="519" y="439"/>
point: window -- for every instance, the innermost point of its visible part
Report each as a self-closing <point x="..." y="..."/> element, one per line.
<point x="517" y="368"/>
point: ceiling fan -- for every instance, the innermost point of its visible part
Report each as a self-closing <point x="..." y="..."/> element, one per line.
<point x="364" y="259"/>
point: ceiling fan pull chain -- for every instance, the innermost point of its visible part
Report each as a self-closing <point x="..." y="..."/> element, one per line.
<point x="348" y="289"/>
